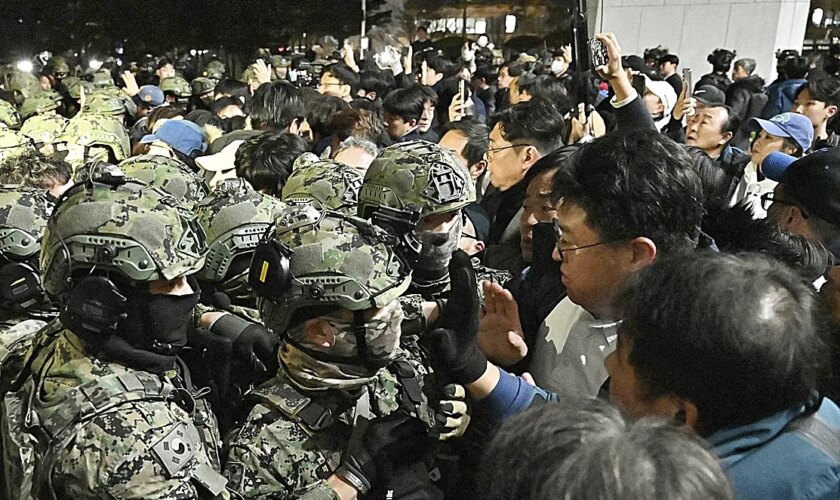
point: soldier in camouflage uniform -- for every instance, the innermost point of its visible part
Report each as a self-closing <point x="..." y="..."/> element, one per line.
<point x="422" y="176"/>
<point x="326" y="184"/>
<point x="202" y="92"/>
<point x="13" y="144"/>
<point x="26" y="84"/>
<point x="43" y="123"/>
<point x="215" y="71"/>
<point x="43" y="102"/>
<point x="89" y="137"/>
<point x="103" y="409"/>
<point x="329" y="283"/>
<point x="9" y="116"/>
<point x="177" y="91"/>
<point x="169" y="174"/>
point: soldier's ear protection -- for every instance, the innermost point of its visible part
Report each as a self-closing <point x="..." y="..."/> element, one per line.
<point x="270" y="275"/>
<point x="96" y="304"/>
<point x="20" y="284"/>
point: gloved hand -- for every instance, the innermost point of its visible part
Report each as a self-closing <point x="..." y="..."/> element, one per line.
<point x="451" y="419"/>
<point x="461" y="310"/>
<point x="376" y="445"/>
<point x="455" y="355"/>
<point x="253" y="345"/>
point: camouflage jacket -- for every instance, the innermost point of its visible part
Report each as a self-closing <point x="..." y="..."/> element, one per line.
<point x="15" y="342"/>
<point x="292" y="440"/>
<point x="113" y="432"/>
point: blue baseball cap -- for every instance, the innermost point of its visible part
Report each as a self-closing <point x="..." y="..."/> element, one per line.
<point x="775" y="164"/>
<point x="795" y="126"/>
<point x="151" y="95"/>
<point x="181" y="135"/>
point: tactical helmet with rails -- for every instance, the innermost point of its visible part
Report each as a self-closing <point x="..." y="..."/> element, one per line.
<point x="23" y="218"/>
<point x="215" y="71"/>
<point x="13" y="144"/>
<point x="234" y="217"/>
<point x="105" y="237"/>
<point x="75" y="85"/>
<point x="105" y="101"/>
<point x="416" y="174"/>
<point x="24" y="83"/>
<point x="177" y="86"/>
<point x="43" y="129"/>
<point x="42" y="102"/>
<point x="168" y="174"/>
<point x="326" y="184"/>
<point x="314" y="261"/>
<point x="202" y="85"/>
<point x="9" y="116"/>
<point x="91" y="130"/>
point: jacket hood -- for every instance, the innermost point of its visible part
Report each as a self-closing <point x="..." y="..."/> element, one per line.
<point x="753" y="83"/>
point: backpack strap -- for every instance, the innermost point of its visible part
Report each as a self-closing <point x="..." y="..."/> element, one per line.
<point x="820" y="434"/>
<point x="294" y="405"/>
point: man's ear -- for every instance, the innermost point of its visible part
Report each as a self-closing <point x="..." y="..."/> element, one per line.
<point x="726" y="138"/>
<point x="530" y="155"/>
<point x="796" y="222"/>
<point x="478" y="168"/>
<point x="319" y="332"/>
<point x="412" y="123"/>
<point x="644" y="251"/>
<point x="831" y="110"/>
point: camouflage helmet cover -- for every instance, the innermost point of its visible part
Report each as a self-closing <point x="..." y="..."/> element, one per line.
<point x="105" y="101"/>
<point x="97" y="130"/>
<point x="417" y="173"/>
<point x="75" y="86"/>
<point x="9" y="115"/>
<point x="41" y="102"/>
<point x="13" y="144"/>
<point x="23" y="217"/>
<point x="135" y="231"/>
<point x="234" y="217"/>
<point x="335" y="260"/>
<point x="215" y="70"/>
<point x="177" y="86"/>
<point x="25" y="83"/>
<point x="103" y="78"/>
<point x="168" y="174"/>
<point x="326" y="184"/>
<point x="43" y="129"/>
<point x="202" y="85"/>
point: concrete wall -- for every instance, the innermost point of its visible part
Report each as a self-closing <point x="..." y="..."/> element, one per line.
<point x="693" y="28"/>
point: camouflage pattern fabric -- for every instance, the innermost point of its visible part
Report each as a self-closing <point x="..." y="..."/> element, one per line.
<point x="16" y="341"/>
<point x="97" y="130"/>
<point x="25" y="83"/>
<point x="23" y="218"/>
<point x="202" y="85"/>
<point x="177" y="86"/>
<point x="13" y="144"/>
<point x="170" y="175"/>
<point x="215" y="71"/>
<point x="109" y="101"/>
<point x="326" y="184"/>
<point x="350" y="263"/>
<point x="103" y="78"/>
<point x="132" y="441"/>
<point x="416" y="173"/>
<point x="75" y="86"/>
<point x="9" y="115"/>
<point x="42" y="102"/>
<point x="134" y="230"/>
<point x="43" y="129"/>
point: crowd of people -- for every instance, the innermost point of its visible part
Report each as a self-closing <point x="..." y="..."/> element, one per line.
<point x="490" y="277"/>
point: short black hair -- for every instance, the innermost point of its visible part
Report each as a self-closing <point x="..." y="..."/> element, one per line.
<point x="440" y="64"/>
<point x="221" y="103"/>
<point x="546" y="86"/>
<point x="478" y="139"/>
<point x="584" y="448"/>
<point x="408" y="103"/>
<point x="635" y="183"/>
<point x="320" y="113"/>
<point x="234" y="88"/>
<point x="380" y="82"/>
<point x="825" y="90"/>
<point x="669" y="58"/>
<point x="489" y="74"/>
<point x="275" y="106"/>
<point x="538" y="121"/>
<point x="266" y="160"/>
<point x="739" y="336"/>
<point x="344" y="74"/>
<point x="163" y="62"/>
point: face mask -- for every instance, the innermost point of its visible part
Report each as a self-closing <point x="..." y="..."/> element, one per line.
<point x="159" y="323"/>
<point x="382" y="335"/>
<point x="557" y="67"/>
<point x="437" y="248"/>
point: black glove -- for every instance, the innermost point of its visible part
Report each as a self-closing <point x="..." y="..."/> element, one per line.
<point x="461" y="310"/>
<point x="253" y="345"/>
<point x="376" y="446"/>
<point x="455" y="354"/>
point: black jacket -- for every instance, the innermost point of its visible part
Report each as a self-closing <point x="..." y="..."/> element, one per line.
<point x="718" y="80"/>
<point x="747" y="98"/>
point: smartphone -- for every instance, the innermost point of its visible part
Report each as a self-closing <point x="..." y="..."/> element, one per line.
<point x="598" y="53"/>
<point x="687" y="81"/>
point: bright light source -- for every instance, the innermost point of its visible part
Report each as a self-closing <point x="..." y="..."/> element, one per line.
<point x="510" y="23"/>
<point x="119" y="62"/>
<point x="120" y="50"/>
<point x="481" y="26"/>
<point x="193" y="52"/>
<point x="817" y="16"/>
<point x="95" y="64"/>
<point x="25" y="66"/>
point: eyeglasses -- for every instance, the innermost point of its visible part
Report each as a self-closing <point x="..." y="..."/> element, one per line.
<point x="768" y="199"/>
<point x="558" y="235"/>
<point x="496" y="150"/>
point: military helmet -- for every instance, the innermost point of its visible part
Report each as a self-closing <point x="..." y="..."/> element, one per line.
<point x="97" y="130"/>
<point x="177" y="86"/>
<point x="41" y="102"/>
<point x="417" y="173"/>
<point x="330" y="259"/>
<point x="102" y="78"/>
<point x="134" y="231"/>
<point x="202" y="85"/>
<point x="75" y="86"/>
<point x="168" y="174"/>
<point x="326" y="184"/>
<point x="43" y="129"/>
<point x="215" y="70"/>
<point x="105" y="101"/>
<point x="13" y="144"/>
<point x="249" y="75"/>
<point x="9" y="115"/>
<point x="25" y="83"/>
<point x="234" y="217"/>
<point x="23" y="216"/>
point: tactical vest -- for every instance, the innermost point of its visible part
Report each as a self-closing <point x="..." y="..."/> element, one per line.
<point x="34" y="434"/>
